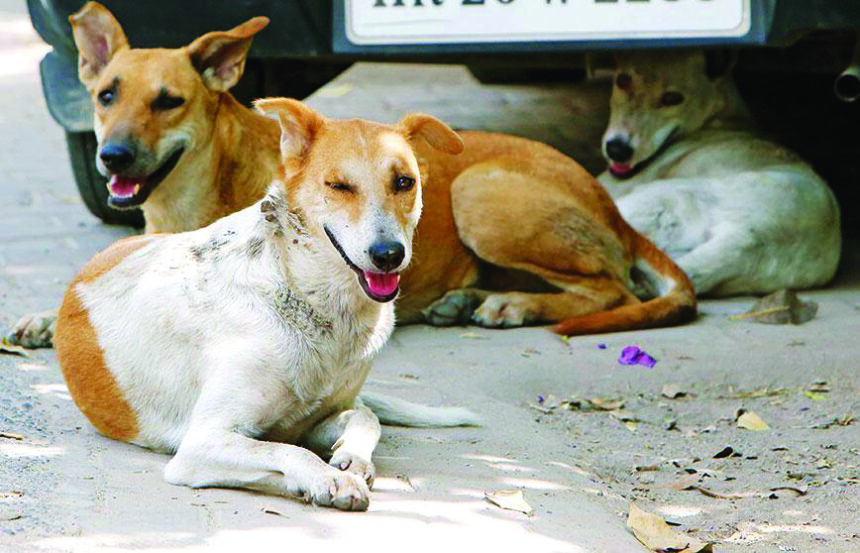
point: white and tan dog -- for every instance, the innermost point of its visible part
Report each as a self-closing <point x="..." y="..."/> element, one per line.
<point x="260" y="328"/>
<point x="739" y="213"/>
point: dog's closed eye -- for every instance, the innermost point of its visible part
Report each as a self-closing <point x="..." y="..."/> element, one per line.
<point x="339" y="186"/>
<point x="165" y="101"/>
<point x="669" y="99"/>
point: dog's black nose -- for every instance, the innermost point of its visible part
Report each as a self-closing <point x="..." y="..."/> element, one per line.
<point x="618" y="149"/>
<point x="386" y="256"/>
<point x="116" y="157"/>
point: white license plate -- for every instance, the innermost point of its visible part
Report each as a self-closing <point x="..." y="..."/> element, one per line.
<point x="474" y="21"/>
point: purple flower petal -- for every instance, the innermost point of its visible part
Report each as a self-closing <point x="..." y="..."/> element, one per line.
<point x="634" y="355"/>
<point x="646" y="360"/>
<point x="601" y="346"/>
<point x="629" y="355"/>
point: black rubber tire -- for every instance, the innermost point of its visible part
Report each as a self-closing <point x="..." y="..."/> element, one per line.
<point x="91" y="184"/>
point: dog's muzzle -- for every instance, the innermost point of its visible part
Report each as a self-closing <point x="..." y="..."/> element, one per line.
<point x="620" y="152"/>
<point x="378" y="286"/>
<point x="127" y="191"/>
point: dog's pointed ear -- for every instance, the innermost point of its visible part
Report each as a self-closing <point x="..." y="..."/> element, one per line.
<point x="299" y="124"/>
<point x="220" y="56"/>
<point x="99" y="37"/>
<point x="719" y="63"/>
<point x="435" y="132"/>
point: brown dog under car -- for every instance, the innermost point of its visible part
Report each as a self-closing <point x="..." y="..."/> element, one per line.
<point x="513" y="232"/>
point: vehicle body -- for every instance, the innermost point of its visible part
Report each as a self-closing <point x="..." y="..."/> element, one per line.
<point x="311" y="41"/>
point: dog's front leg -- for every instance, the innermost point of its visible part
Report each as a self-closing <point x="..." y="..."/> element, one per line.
<point x="230" y="460"/>
<point x="219" y="449"/>
<point x="350" y="436"/>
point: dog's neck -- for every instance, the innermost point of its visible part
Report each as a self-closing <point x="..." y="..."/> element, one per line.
<point x="225" y="171"/>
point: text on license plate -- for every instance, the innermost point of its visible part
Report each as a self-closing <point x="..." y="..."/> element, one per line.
<point x="471" y="21"/>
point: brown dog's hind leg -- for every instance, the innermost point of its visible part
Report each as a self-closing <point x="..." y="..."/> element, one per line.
<point x="35" y="331"/>
<point x="523" y="216"/>
<point x="511" y="309"/>
<point x="455" y="308"/>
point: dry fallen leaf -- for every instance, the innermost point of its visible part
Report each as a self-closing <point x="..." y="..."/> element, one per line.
<point x="606" y="403"/>
<point x="750" y="421"/>
<point x="824" y="463"/>
<point x="727" y="451"/>
<point x="6" y="347"/>
<point x="817" y="390"/>
<point x="656" y="535"/>
<point x="781" y="307"/>
<point x="814" y="396"/>
<point x="720" y="495"/>
<point x="628" y="420"/>
<point x="271" y="511"/>
<point x="512" y="500"/>
<point x="593" y="404"/>
<point x="9" y="513"/>
<point x="760" y="392"/>
<point x="799" y="490"/>
<point x="844" y="420"/>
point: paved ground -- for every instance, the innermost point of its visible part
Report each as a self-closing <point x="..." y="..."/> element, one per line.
<point x="65" y="488"/>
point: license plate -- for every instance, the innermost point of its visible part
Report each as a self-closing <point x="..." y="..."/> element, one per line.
<point x="371" y="22"/>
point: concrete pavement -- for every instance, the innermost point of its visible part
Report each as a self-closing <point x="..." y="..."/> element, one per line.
<point x="65" y="488"/>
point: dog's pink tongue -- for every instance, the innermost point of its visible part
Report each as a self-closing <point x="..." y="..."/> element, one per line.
<point x="382" y="284"/>
<point x="122" y="187"/>
<point x="620" y="168"/>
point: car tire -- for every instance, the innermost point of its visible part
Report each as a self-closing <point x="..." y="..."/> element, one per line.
<point x="82" y="148"/>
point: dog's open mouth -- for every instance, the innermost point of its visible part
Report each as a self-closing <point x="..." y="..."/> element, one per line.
<point x="621" y="170"/>
<point x="128" y="191"/>
<point x="381" y="287"/>
<point x="627" y="170"/>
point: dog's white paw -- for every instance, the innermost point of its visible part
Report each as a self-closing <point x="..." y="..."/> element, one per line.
<point x="342" y="490"/>
<point x="349" y="462"/>
<point x="503" y="311"/>
<point x="34" y="331"/>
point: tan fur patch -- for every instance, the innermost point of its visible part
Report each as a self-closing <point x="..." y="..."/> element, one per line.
<point x="92" y="385"/>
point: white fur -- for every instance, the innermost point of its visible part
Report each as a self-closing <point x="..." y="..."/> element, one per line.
<point x="738" y="213"/>
<point x="242" y="330"/>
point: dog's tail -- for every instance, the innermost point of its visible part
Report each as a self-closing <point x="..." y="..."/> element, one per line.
<point x="675" y="303"/>
<point x="398" y="412"/>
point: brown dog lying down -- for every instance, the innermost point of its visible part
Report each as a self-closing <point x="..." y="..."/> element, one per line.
<point x="513" y="232"/>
